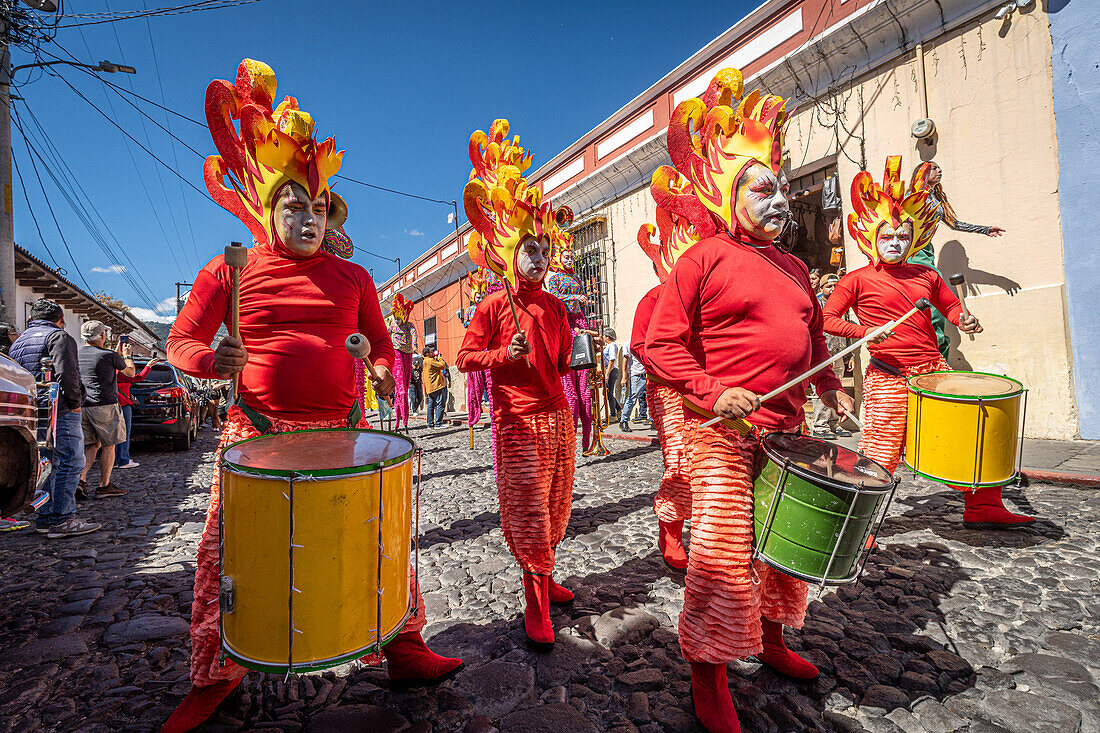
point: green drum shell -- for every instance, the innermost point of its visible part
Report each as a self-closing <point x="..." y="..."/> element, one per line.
<point x="807" y="524"/>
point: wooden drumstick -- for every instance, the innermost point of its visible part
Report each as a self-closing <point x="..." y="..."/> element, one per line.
<point x="920" y="305"/>
<point x="236" y="257"/>
<point x="359" y="348"/>
<point x="515" y="318"/>
<point x="958" y="280"/>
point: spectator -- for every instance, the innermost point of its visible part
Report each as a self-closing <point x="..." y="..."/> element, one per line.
<point x="8" y="335"/>
<point x="815" y="280"/>
<point x="45" y="337"/>
<point x="636" y="370"/>
<point x="416" y="384"/>
<point x="104" y="427"/>
<point x="826" y="421"/>
<point x="122" y="456"/>
<point x="611" y="372"/>
<point x="434" y="385"/>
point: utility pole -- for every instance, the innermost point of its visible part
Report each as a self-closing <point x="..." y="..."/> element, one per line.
<point x="179" y="301"/>
<point x="7" y="225"/>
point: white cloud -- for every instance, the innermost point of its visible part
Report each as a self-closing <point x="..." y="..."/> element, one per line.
<point x="110" y="269"/>
<point x="414" y="232"/>
<point x="165" y="311"/>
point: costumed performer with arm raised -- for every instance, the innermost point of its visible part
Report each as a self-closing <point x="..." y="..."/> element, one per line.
<point x="738" y="318"/>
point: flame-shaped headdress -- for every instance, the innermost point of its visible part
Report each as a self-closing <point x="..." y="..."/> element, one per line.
<point x="274" y="147"/>
<point x="711" y="144"/>
<point x="401" y="308"/>
<point x="873" y="205"/>
<point x="500" y="205"/>
<point x="677" y="236"/>
<point x="478" y="283"/>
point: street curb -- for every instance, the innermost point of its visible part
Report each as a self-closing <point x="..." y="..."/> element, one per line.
<point x="635" y="438"/>
<point x="1059" y="477"/>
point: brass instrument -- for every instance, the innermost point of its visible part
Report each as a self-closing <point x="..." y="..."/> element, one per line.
<point x="595" y="383"/>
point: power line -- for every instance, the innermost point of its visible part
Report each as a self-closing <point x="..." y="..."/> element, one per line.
<point x="27" y="198"/>
<point x="115" y="17"/>
<point x="393" y="190"/>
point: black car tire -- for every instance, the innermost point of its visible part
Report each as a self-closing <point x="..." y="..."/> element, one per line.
<point x="182" y="442"/>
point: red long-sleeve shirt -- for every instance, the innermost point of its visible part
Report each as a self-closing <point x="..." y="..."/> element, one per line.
<point x="884" y="292"/>
<point x="295" y="316"/>
<point x="519" y="389"/>
<point x="737" y="315"/>
<point x="643" y="314"/>
<point x="125" y="382"/>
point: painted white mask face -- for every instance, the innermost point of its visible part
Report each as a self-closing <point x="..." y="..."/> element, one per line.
<point x="533" y="258"/>
<point x="567" y="259"/>
<point x="762" y="207"/>
<point x="893" y="244"/>
<point x="299" y="221"/>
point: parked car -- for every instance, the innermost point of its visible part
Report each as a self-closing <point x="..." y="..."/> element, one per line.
<point x="21" y="470"/>
<point x="164" y="405"/>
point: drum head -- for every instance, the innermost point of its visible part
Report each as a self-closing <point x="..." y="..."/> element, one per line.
<point x="823" y="461"/>
<point x="966" y="384"/>
<point x="317" y="453"/>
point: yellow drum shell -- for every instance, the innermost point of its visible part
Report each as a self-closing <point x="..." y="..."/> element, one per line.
<point x="963" y="428"/>
<point x="350" y="565"/>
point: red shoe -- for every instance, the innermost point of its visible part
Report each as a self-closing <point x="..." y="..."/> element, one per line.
<point x="670" y="540"/>
<point x="409" y="661"/>
<point x="777" y="656"/>
<point x="711" y="692"/>
<point x="536" y="617"/>
<point x="984" y="509"/>
<point x="198" y="706"/>
<point x="559" y="594"/>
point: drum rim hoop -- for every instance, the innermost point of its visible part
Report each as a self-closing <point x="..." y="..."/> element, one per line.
<point x="334" y="473"/>
<point x="1020" y="389"/>
<point x="804" y="576"/>
<point x="966" y="484"/>
<point x="816" y="478"/>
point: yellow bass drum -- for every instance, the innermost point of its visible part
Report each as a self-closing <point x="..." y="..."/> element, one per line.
<point x="315" y="547"/>
<point x="964" y="428"/>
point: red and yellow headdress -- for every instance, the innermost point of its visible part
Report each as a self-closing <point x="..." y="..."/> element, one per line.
<point x="478" y="283"/>
<point x="401" y="308"/>
<point x="275" y="146"/>
<point x="873" y="205"/>
<point x="677" y="236"/>
<point x="711" y="144"/>
<point x="501" y="207"/>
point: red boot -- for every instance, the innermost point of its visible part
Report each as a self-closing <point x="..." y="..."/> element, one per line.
<point x="670" y="540"/>
<point x="536" y="617"/>
<point x="198" y="706"/>
<point x="410" y="661"/>
<point x="984" y="509"/>
<point x="777" y="656"/>
<point x="711" y="692"/>
<point x="559" y="594"/>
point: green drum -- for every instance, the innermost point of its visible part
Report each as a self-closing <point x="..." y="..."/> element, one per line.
<point x="815" y="506"/>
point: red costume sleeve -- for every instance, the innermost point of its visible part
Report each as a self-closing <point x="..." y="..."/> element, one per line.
<point x="373" y="326"/>
<point x="945" y="300"/>
<point x="199" y="321"/>
<point x="643" y="314"/>
<point x="475" y="354"/>
<point x="565" y="348"/>
<point x="839" y="303"/>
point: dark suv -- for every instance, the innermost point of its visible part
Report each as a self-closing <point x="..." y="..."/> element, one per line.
<point x="164" y="405"/>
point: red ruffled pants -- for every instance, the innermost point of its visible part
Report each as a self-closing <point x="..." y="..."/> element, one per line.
<point x="725" y="594"/>
<point x="535" y="462"/>
<point x="666" y="408"/>
<point x="885" y="410"/>
<point x="206" y="668"/>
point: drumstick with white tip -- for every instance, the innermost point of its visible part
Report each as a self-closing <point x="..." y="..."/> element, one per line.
<point x="359" y="348"/>
<point x="236" y="257"/>
<point x="958" y="280"/>
<point x="920" y="305"/>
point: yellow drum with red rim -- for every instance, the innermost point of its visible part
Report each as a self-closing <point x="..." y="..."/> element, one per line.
<point x="963" y="428"/>
<point x="315" y="547"/>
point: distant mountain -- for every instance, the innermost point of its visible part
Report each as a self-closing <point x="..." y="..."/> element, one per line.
<point x="162" y="329"/>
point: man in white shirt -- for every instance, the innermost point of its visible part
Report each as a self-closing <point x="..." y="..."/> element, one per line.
<point x="636" y="394"/>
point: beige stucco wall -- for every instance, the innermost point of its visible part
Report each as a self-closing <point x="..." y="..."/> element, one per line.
<point x="991" y="99"/>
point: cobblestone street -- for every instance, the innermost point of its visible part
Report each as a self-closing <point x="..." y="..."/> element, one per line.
<point x="950" y="630"/>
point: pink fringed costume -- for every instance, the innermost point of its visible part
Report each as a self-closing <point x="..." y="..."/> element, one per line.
<point x="565" y="288"/>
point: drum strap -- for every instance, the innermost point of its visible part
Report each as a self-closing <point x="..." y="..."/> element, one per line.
<point x="262" y="424"/>
<point x="884" y="367"/>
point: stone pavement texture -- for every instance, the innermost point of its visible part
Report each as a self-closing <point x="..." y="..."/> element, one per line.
<point x="950" y="629"/>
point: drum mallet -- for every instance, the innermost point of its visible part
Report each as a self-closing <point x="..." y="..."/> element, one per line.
<point x="920" y="305"/>
<point x="959" y="281"/>
<point x="236" y="257"/>
<point x="359" y="348"/>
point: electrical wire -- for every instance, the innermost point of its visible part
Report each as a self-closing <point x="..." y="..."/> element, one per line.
<point x="27" y="198"/>
<point x="204" y="6"/>
<point x="393" y="190"/>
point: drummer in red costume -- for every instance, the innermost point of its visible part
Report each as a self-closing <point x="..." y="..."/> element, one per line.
<point x="890" y="224"/>
<point x="737" y="318"/>
<point x="298" y="305"/>
<point x="535" y="440"/>
<point x="672" y="505"/>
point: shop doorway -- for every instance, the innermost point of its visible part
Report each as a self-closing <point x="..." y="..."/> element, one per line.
<point x="808" y="237"/>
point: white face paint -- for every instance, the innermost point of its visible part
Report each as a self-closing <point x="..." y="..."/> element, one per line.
<point x="567" y="259"/>
<point x="762" y="207"/>
<point x="893" y="244"/>
<point x="299" y="221"/>
<point x="533" y="258"/>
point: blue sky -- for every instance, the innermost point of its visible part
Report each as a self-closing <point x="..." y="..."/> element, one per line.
<point x="399" y="85"/>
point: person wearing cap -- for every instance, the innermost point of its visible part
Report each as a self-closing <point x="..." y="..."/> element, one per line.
<point x="102" y="420"/>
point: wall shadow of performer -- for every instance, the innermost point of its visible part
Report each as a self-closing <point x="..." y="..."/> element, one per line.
<point x="952" y="259"/>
